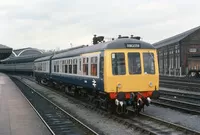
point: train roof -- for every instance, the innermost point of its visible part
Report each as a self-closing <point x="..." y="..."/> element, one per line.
<point x="49" y="57"/>
<point x="114" y="44"/>
<point x="43" y="58"/>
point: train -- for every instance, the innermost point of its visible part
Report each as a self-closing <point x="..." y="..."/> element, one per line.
<point x="23" y="65"/>
<point x="115" y="75"/>
<point x="19" y="65"/>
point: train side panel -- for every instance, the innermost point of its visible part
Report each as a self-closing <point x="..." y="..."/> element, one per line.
<point x="59" y="73"/>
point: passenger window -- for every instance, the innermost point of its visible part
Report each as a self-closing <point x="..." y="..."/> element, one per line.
<point x="70" y="66"/>
<point x="34" y="68"/>
<point x="54" y="68"/>
<point x="149" y="65"/>
<point x="80" y="64"/>
<point x="85" y="66"/>
<point x="134" y="64"/>
<point x="93" y="66"/>
<point x="75" y="66"/>
<point x="118" y="64"/>
<point x="63" y="66"/>
<point x="40" y="67"/>
<point x="66" y="68"/>
<point x="57" y="68"/>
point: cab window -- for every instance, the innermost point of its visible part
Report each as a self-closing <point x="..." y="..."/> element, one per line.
<point x="134" y="64"/>
<point x="149" y="65"/>
<point x="118" y="64"/>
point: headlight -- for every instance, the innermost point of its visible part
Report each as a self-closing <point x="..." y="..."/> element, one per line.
<point x="119" y="85"/>
<point x="150" y="84"/>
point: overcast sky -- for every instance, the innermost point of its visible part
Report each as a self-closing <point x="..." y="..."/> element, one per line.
<point x="50" y="24"/>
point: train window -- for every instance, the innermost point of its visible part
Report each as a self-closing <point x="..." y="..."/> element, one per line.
<point x="134" y="64"/>
<point x="118" y="64"/>
<point x="70" y="66"/>
<point x="85" y="66"/>
<point x="101" y="66"/>
<point x="66" y="68"/>
<point x="74" y="66"/>
<point x="57" y="68"/>
<point x="42" y="66"/>
<point x="38" y="67"/>
<point x="80" y="64"/>
<point x="149" y="65"/>
<point x="63" y="68"/>
<point x="54" y="68"/>
<point x="93" y="66"/>
<point x="45" y="66"/>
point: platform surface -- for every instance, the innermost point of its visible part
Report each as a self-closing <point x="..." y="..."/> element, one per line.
<point x="17" y="117"/>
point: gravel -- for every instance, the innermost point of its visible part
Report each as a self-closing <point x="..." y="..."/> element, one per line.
<point x="184" y="119"/>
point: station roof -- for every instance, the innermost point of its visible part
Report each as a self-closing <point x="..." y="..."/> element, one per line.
<point x="26" y="51"/>
<point x="5" y="51"/>
<point x="176" y="38"/>
<point x="23" y="59"/>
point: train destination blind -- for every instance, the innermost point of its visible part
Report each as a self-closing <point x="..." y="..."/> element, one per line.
<point x="132" y="45"/>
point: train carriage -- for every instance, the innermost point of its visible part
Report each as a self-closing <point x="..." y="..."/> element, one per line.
<point x="42" y="69"/>
<point x="115" y="74"/>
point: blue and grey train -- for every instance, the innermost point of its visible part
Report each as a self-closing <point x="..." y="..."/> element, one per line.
<point x="114" y="74"/>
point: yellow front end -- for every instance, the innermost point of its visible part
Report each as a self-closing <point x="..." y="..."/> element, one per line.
<point x="126" y="80"/>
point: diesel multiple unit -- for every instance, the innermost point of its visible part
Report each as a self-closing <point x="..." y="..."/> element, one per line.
<point x="114" y="74"/>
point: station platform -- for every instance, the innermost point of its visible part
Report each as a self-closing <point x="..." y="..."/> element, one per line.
<point x="17" y="117"/>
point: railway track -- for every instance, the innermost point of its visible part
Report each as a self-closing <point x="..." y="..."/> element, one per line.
<point x="145" y="124"/>
<point x="167" y="127"/>
<point x="182" y="79"/>
<point x="57" y="120"/>
<point x="191" y="86"/>
<point x="180" y="100"/>
<point x="192" y="108"/>
<point x="191" y="97"/>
